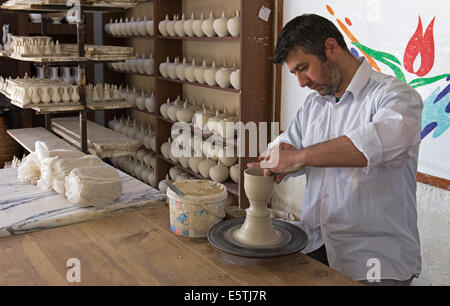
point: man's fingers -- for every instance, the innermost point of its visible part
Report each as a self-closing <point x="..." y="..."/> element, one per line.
<point x="267" y="172"/>
<point x="254" y="165"/>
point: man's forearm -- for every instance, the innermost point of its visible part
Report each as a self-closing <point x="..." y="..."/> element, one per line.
<point x="339" y="152"/>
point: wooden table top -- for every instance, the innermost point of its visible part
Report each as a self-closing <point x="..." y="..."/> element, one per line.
<point x="138" y="248"/>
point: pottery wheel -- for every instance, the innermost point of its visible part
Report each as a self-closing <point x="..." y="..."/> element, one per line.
<point x="293" y="239"/>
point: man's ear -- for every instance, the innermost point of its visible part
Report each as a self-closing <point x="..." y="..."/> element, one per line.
<point x="331" y="48"/>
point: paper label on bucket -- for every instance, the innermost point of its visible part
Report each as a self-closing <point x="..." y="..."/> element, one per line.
<point x="193" y="220"/>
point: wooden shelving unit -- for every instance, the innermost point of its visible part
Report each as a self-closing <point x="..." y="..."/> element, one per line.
<point x="81" y="61"/>
<point x="255" y="96"/>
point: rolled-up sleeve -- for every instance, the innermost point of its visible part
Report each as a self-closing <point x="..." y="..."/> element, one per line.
<point x="292" y="136"/>
<point x="394" y="133"/>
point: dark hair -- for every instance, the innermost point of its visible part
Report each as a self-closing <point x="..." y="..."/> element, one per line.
<point x="309" y="32"/>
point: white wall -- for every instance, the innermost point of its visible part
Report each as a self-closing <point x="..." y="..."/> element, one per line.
<point x="433" y="220"/>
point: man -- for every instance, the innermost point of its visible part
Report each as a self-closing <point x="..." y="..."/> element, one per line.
<point x="358" y="137"/>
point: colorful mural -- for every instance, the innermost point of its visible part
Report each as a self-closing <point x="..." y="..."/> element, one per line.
<point x="436" y="111"/>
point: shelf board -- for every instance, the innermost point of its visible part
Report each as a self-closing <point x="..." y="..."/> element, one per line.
<point x="43" y="8"/>
<point x="53" y="108"/>
<point x="27" y="137"/>
<point x="110" y="105"/>
<point x="144" y="112"/>
<point x="131" y="37"/>
<point x="200" y="85"/>
<point x="67" y="60"/>
<point x="231" y="186"/>
<point x="133" y="73"/>
<point x="102" y="141"/>
<point x="204" y="135"/>
<point x="214" y="38"/>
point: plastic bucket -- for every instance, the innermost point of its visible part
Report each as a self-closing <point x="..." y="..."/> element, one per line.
<point x="201" y="208"/>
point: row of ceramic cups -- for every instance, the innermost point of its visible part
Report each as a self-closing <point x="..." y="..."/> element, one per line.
<point x="139" y="65"/>
<point x="207" y="120"/>
<point x="144" y="102"/>
<point x="145" y="136"/>
<point x="130" y="28"/>
<point x="209" y="27"/>
<point x="203" y="74"/>
<point x="210" y="163"/>
<point x="136" y="168"/>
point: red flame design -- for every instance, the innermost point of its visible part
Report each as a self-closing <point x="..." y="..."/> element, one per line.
<point x="423" y="45"/>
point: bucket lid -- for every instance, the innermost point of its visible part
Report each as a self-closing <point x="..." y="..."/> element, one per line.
<point x="198" y="191"/>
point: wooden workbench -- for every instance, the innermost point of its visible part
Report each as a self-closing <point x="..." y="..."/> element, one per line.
<point x="138" y="248"/>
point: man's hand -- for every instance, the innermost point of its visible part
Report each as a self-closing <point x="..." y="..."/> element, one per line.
<point x="278" y="160"/>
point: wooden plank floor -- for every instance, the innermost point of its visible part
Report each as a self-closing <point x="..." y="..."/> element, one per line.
<point x="138" y="248"/>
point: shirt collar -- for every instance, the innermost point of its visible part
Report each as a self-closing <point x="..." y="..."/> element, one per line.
<point x="360" y="78"/>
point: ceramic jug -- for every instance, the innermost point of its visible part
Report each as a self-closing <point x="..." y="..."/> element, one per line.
<point x="142" y="26"/>
<point x="219" y="173"/>
<point x="179" y="27"/>
<point x="189" y="71"/>
<point x="220" y="26"/>
<point x="235" y="173"/>
<point x="162" y="26"/>
<point x="234" y="26"/>
<point x="149" y="26"/>
<point x="171" y="26"/>
<point x="197" y="26"/>
<point x="235" y="79"/>
<point x="149" y="65"/>
<point x="150" y="103"/>
<point x="163" y="67"/>
<point x="199" y="72"/>
<point x="171" y="68"/>
<point x="188" y="26"/>
<point x="207" y="26"/>
<point x="140" y="101"/>
<point x="164" y="107"/>
<point x="210" y="75"/>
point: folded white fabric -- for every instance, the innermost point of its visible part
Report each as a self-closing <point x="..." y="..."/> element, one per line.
<point x="96" y="186"/>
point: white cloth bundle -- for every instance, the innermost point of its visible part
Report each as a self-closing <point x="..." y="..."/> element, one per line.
<point x="93" y="186"/>
<point x="47" y="161"/>
<point x="29" y="170"/>
<point x="61" y="167"/>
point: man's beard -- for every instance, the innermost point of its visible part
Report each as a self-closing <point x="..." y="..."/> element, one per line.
<point x="334" y="78"/>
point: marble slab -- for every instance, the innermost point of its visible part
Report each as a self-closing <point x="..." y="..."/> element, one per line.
<point x="25" y="208"/>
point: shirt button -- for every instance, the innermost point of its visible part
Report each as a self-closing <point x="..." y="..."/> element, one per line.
<point x="324" y="223"/>
<point x="325" y="196"/>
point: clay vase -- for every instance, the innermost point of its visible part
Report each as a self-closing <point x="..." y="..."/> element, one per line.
<point x="162" y="26"/>
<point x="172" y="69"/>
<point x="223" y="77"/>
<point x="199" y="73"/>
<point x="149" y="65"/>
<point x="8" y="146"/>
<point x="227" y="156"/>
<point x="235" y="173"/>
<point x="170" y="26"/>
<point x="174" y="171"/>
<point x="185" y="114"/>
<point x="149" y="26"/>
<point x="220" y="26"/>
<point x="172" y="110"/>
<point x="45" y="97"/>
<point x="189" y="71"/>
<point x="194" y="162"/>
<point x="140" y="101"/>
<point x="207" y="26"/>
<point x="179" y="27"/>
<point x="179" y="71"/>
<point x="235" y="79"/>
<point x="197" y="27"/>
<point x="162" y="186"/>
<point x="188" y="26"/>
<point x="164" y="107"/>
<point x="210" y="75"/>
<point x="219" y="173"/>
<point x="165" y="148"/>
<point x="234" y="25"/>
<point x="257" y="229"/>
<point x="204" y="167"/>
<point x="140" y="64"/>
<point x="150" y="103"/>
<point x="142" y="29"/>
<point x="163" y="67"/>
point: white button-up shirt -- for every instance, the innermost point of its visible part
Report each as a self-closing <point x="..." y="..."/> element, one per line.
<point x="363" y="213"/>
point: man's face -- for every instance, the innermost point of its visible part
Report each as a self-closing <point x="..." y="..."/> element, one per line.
<point x="323" y="77"/>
